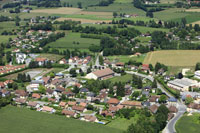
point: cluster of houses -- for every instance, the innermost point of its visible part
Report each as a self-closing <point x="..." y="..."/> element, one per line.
<point x="10" y="68"/>
<point x="76" y="61"/>
<point x="29" y="39"/>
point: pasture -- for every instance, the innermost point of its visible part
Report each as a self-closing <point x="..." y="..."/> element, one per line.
<point x="4" y="39"/>
<point x="73" y="40"/>
<point x="174" y="58"/>
<point x="188" y="124"/>
<point x="24" y="120"/>
<point x="8" y="26"/>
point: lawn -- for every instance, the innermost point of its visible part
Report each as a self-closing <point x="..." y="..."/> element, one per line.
<point x="188" y="124"/>
<point x="23" y="120"/>
<point x="181" y="58"/>
<point x="4" y="39"/>
<point x="124" y="78"/>
<point x="8" y="26"/>
<point x="85" y="3"/>
<point x="73" y="40"/>
<point x="149" y="29"/>
<point x="126" y="58"/>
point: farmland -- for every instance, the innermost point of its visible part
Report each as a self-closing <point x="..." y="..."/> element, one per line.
<point x="73" y="40"/>
<point x="24" y="120"/>
<point x="188" y="124"/>
<point x="181" y="58"/>
<point x="126" y="58"/>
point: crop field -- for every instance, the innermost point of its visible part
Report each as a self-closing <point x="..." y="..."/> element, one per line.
<point x="181" y="58"/>
<point x="73" y="40"/>
<point x="54" y="57"/>
<point x="188" y="124"/>
<point x="27" y="121"/>
<point x="193" y="10"/>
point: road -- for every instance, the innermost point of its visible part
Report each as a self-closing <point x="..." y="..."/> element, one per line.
<point x="170" y="128"/>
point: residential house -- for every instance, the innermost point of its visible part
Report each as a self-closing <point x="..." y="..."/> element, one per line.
<point x="101" y="74"/>
<point x="69" y="113"/>
<point x="154" y="99"/>
<point x="113" y="101"/>
<point x="90" y="118"/>
<point x="71" y="103"/>
<point x="20" y="93"/>
<point x="78" y="108"/>
<point x="129" y="104"/>
<point x="41" y="61"/>
<point x="173" y="109"/>
<point x="62" y="104"/>
<point x="36" y="96"/>
<point x="48" y="109"/>
<point x="153" y="108"/>
<point x="33" y="104"/>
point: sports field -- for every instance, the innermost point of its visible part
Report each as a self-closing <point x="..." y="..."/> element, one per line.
<point x="24" y="120"/>
<point x="73" y="40"/>
<point x="182" y="58"/>
<point x="188" y="124"/>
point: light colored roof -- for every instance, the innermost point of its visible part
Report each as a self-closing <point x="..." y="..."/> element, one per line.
<point x="182" y="82"/>
<point x="103" y="72"/>
<point x="131" y="103"/>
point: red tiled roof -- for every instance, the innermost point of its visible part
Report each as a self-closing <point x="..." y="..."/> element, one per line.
<point x="113" y="101"/>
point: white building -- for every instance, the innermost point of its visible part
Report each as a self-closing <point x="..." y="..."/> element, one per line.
<point x="197" y="74"/>
<point x="182" y="84"/>
<point x="101" y="74"/>
<point x="20" y="58"/>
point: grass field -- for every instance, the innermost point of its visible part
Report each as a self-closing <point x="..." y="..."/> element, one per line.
<point x="8" y="26"/>
<point x="181" y="58"/>
<point x="124" y="78"/>
<point x="188" y="124"/>
<point x="126" y="58"/>
<point x="85" y="3"/>
<point x="4" y="39"/>
<point x="67" y="42"/>
<point x="149" y="29"/>
<point x="23" y="120"/>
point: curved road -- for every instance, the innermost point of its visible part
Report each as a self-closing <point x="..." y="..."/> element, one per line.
<point x="170" y="127"/>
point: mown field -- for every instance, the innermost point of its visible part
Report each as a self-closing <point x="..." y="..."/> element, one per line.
<point x="177" y="58"/>
<point x="126" y="58"/>
<point x="85" y="3"/>
<point x="4" y="39"/>
<point x="27" y="121"/>
<point x="73" y="40"/>
<point x="188" y="124"/>
<point x="124" y="78"/>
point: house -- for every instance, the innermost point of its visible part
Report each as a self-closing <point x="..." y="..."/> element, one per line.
<point x="172" y="101"/>
<point x="78" y="108"/>
<point x="33" y="104"/>
<point x="36" y="96"/>
<point x="62" y="104"/>
<point x="197" y="74"/>
<point x="154" y="99"/>
<point x="63" y="61"/>
<point x="84" y="90"/>
<point x="68" y="113"/>
<point x="83" y="104"/>
<point x="41" y="61"/>
<point x="8" y="82"/>
<point x="46" y="80"/>
<point x="153" y="108"/>
<point x="102" y="97"/>
<point x="101" y="74"/>
<point x="106" y="113"/>
<point x="4" y="93"/>
<point x="90" y="96"/>
<point x="71" y="103"/>
<point x="113" y="101"/>
<point x="48" y="109"/>
<point x="193" y="107"/>
<point x="49" y="92"/>
<point x="69" y="94"/>
<point x="145" y="67"/>
<point x="173" y="109"/>
<point x="2" y="85"/>
<point x="20" y="101"/>
<point x="90" y="118"/>
<point x="20" y="93"/>
<point x="129" y="104"/>
<point x="182" y="84"/>
<point x="113" y="109"/>
<point x="32" y="87"/>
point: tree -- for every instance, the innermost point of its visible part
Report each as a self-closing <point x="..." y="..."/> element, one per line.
<point x="14" y="86"/>
<point x="188" y="100"/>
<point x="162" y="99"/>
<point x="139" y="83"/>
<point x="120" y="89"/>
<point x="197" y="67"/>
<point x="154" y="84"/>
<point x="73" y="72"/>
<point x="75" y="90"/>
<point x="115" y="14"/>
<point x="42" y="89"/>
<point x="180" y="75"/>
<point x="101" y="60"/>
<point x="28" y="79"/>
<point x="79" y="5"/>
<point x="151" y="67"/>
<point x="149" y="14"/>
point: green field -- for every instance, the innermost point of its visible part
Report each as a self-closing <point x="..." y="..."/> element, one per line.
<point x="149" y="29"/>
<point x="177" y="58"/>
<point x="85" y="3"/>
<point x="126" y="58"/>
<point x="124" y="78"/>
<point x="188" y="124"/>
<point x="127" y="8"/>
<point x="23" y="120"/>
<point x="54" y="57"/>
<point x="4" y="39"/>
<point x="8" y="26"/>
<point x="71" y="38"/>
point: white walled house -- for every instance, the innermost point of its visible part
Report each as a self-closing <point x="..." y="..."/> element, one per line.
<point x="20" y="58"/>
<point x="197" y="74"/>
<point x="101" y="74"/>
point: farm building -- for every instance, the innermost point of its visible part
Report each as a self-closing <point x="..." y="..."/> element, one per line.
<point x="101" y="74"/>
<point x="182" y="84"/>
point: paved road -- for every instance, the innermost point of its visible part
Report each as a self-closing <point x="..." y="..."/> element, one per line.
<point x="170" y="128"/>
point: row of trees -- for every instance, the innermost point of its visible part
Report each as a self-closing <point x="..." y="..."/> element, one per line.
<point x="22" y="77"/>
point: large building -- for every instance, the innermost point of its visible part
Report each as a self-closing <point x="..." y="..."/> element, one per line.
<point x="182" y="84"/>
<point x="101" y="74"/>
<point x="197" y="74"/>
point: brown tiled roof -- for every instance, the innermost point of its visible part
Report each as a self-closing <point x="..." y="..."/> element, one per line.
<point x="153" y="98"/>
<point x="153" y="108"/>
<point x="20" y="100"/>
<point x="46" y="108"/>
<point x="40" y="59"/>
<point x="90" y="118"/>
<point x="50" y="91"/>
<point x="71" y="103"/>
<point x="173" y="109"/>
<point x="36" y="95"/>
<point x="103" y="72"/>
<point x="60" y="88"/>
<point x="62" y="104"/>
<point x="113" y="101"/>
<point x="83" y="104"/>
<point x="2" y="84"/>
<point x="78" y="108"/>
<point x="102" y="95"/>
<point x="131" y="103"/>
<point x="68" y="112"/>
<point x="32" y="103"/>
<point x="21" y="92"/>
<point x="119" y="64"/>
<point x="52" y="99"/>
<point x="113" y="108"/>
<point x="46" y="79"/>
